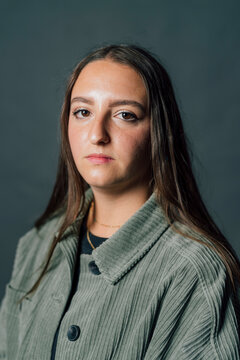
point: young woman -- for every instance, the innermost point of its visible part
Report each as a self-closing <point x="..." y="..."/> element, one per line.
<point x="125" y="263"/>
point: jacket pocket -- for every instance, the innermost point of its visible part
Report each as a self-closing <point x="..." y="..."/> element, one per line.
<point x="13" y="296"/>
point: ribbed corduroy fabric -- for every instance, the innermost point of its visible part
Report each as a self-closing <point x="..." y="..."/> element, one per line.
<point x="158" y="295"/>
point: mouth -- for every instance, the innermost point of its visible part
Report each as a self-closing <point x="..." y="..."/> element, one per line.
<point x="99" y="158"/>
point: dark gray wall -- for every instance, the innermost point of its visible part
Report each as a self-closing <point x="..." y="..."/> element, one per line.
<point x="198" y="41"/>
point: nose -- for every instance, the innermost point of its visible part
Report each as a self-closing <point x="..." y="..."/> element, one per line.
<point x="98" y="133"/>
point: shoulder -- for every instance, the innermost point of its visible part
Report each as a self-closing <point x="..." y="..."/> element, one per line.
<point x="32" y="248"/>
<point x="199" y="266"/>
<point x="198" y="254"/>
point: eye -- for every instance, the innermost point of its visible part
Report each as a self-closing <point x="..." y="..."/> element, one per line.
<point x="84" y="112"/>
<point x="128" y="116"/>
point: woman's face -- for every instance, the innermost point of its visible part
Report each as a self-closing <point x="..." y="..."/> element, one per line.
<point x="109" y="126"/>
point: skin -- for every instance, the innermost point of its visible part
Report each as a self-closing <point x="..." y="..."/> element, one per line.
<point x="120" y="186"/>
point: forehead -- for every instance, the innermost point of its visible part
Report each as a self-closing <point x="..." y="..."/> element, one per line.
<point x="110" y="77"/>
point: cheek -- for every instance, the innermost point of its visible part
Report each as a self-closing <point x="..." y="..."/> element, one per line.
<point x="135" y="147"/>
<point x="75" y="139"/>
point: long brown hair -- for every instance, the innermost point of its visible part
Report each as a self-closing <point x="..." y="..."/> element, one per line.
<point x="172" y="176"/>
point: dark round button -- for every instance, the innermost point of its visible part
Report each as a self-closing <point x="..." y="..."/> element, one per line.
<point x="73" y="333"/>
<point x="93" y="268"/>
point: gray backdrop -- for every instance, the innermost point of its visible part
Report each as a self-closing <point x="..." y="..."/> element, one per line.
<point x="198" y="42"/>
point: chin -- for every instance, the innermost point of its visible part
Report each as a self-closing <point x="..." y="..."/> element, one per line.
<point x="106" y="185"/>
<point x="99" y="183"/>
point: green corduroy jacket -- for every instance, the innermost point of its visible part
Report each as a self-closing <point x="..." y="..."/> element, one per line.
<point x="157" y="295"/>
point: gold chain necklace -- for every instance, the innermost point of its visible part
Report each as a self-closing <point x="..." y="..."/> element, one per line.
<point x="88" y="237"/>
<point x="110" y="226"/>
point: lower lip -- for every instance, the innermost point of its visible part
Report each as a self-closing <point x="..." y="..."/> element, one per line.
<point x="99" y="160"/>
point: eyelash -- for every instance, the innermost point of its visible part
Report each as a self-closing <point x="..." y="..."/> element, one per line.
<point x="135" y="118"/>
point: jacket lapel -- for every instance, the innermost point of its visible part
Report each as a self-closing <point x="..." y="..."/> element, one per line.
<point x="120" y="252"/>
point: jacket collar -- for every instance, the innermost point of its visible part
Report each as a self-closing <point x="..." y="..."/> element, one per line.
<point x="121" y="251"/>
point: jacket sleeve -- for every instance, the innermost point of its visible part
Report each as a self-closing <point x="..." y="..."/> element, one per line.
<point x="11" y="295"/>
<point x="197" y="319"/>
<point x="4" y="311"/>
<point x="3" y="340"/>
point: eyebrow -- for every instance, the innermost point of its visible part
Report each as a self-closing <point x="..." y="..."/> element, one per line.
<point x="112" y="104"/>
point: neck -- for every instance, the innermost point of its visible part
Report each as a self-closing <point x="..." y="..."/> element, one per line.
<point x="114" y="209"/>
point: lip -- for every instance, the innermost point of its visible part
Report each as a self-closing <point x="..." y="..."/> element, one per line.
<point x="99" y="155"/>
<point x="99" y="158"/>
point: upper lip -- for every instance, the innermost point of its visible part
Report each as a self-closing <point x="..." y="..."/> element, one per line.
<point x="99" y="155"/>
